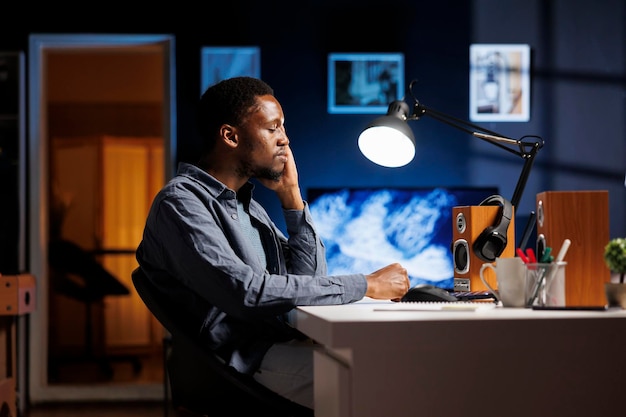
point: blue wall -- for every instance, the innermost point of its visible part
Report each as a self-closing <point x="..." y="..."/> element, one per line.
<point x="325" y="144"/>
<point x="577" y="84"/>
<point x="578" y="104"/>
<point x="578" y="78"/>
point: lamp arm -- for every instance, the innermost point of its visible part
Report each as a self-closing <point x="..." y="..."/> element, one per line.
<point x="479" y="132"/>
<point x="529" y="158"/>
<point x="526" y="150"/>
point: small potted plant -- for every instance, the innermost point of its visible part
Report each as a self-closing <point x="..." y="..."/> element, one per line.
<point x="615" y="260"/>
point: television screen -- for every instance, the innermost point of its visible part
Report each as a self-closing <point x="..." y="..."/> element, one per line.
<point x="365" y="229"/>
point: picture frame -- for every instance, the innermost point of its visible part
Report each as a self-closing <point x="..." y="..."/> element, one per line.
<point x="221" y="62"/>
<point x="364" y="83"/>
<point x="499" y="82"/>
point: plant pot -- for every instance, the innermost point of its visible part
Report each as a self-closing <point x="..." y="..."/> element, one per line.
<point x="615" y="294"/>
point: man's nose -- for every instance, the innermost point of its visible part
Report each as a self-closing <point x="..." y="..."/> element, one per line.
<point x="284" y="140"/>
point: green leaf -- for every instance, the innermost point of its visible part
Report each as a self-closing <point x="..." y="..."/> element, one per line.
<point x="615" y="255"/>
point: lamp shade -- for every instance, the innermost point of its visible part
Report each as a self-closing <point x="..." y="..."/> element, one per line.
<point x="388" y="140"/>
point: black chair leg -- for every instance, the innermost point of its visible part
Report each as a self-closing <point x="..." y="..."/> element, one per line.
<point x="167" y="342"/>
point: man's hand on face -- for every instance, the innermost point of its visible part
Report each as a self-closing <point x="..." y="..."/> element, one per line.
<point x="287" y="187"/>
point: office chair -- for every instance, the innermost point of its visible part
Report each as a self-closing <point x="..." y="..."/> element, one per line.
<point x="201" y="383"/>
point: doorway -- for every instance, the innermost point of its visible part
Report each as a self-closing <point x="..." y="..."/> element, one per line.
<point x="99" y="148"/>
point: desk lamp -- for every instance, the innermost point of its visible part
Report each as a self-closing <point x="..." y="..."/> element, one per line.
<point x="389" y="141"/>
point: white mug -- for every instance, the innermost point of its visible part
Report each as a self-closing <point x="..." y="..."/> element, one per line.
<point x="511" y="281"/>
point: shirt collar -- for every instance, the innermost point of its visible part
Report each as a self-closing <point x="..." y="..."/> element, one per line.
<point x="213" y="185"/>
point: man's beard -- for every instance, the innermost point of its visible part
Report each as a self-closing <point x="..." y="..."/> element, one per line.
<point x="269" y="174"/>
<point x="252" y="170"/>
<point x="260" y="172"/>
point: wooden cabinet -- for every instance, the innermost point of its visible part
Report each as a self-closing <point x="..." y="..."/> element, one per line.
<point x="17" y="297"/>
<point x="104" y="186"/>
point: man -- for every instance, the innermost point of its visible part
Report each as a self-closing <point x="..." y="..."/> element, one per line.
<point x="236" y="274"/>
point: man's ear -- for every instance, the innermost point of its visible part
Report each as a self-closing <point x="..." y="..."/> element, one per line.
<point x="229" y="134"/>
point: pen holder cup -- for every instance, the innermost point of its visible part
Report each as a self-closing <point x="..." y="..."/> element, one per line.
<point x="545" y="284"/>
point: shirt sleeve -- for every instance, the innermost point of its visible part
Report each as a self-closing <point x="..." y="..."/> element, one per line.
<point x="307" y="254"/>
<point x="206" y="251"/>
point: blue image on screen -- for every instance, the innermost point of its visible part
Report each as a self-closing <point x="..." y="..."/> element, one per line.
<point x="364" y="229"/>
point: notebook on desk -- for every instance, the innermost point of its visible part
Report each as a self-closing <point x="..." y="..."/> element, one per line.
<point x="436" y="306"/>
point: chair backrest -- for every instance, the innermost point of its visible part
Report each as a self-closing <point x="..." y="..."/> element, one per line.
<point x="200" y="380"/>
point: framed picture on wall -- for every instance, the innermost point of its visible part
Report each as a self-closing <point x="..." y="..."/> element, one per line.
<point x="364" y="82"/>
<point x="500" y="82"/>
<point x="219" y="63"/>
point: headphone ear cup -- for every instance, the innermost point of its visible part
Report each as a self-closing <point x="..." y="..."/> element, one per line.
<point x="490" y="244"/>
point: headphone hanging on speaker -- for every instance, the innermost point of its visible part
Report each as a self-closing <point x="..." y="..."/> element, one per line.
<point x="492" y="241"/>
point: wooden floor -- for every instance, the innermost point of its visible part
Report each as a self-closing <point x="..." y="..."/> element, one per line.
<point x="138" y="409"/>
<point x="85" y="372"/>
<point x="114" y="369"/>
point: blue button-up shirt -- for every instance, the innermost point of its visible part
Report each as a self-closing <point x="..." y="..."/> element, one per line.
<point x="194" y="250"/>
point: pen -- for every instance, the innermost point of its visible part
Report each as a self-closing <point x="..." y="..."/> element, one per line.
<point x="546" y="255"/>
<point x="523" y="257"/>
<point x="533" y="297"/>
<point x="531" y="256"/>
<point x="563" y="250"/>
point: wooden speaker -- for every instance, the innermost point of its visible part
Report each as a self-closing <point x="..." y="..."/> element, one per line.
<point x="469" y="224"/>
<point x="582" y="217"/>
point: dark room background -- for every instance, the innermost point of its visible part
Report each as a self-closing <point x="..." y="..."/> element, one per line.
<point x="578" y="78"/>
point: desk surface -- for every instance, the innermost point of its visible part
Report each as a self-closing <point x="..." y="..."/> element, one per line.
<point x="327" y="324"/>
<point x="369" y="310"/>
<point x="547" y="363"/>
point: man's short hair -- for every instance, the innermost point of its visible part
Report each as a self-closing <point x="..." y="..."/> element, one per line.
<point x="228" y="101"/>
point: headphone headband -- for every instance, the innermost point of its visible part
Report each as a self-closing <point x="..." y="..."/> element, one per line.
<point x="493" y="240"/>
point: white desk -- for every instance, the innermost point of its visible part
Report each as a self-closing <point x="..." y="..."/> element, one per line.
<point x="499" y="362"/>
